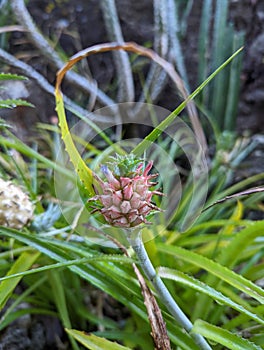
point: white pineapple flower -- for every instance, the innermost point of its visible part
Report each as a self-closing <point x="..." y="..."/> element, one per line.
<point x="16" y="210"/>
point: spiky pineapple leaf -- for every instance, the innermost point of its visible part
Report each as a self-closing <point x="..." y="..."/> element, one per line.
<point x="10" y="317"/>
<point x="12" y="142"/>
<point x="9" y="76"/>
<point x="4" y="124"/>
<point x="153" y="135"/>
<point x="228" y="257"/>
<point x="84" y="172"/>
<point x="12" y="103"/>
<point x="216" y="269"/>
<point x="92" y="342"/>
<point x="101" y="276"/>
<point x="117" y="280"/>
<point x="124" y="165"/>
<point x="102" y="257"/>
<point x="202" y="287"/>
<point x="222" y="336"/>
<point x="58" y="291"/>
<point x="23" y="263"/>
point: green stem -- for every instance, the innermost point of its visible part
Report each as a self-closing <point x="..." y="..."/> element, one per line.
<point x="164" y="295"/>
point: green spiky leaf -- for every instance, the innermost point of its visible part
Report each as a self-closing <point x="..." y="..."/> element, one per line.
<point x="12" y="103"/>
<point x="92" y="342"/>
<point x="124" y="165"/>
<point x="222" y="336"/>
<point x="9" y="76"/>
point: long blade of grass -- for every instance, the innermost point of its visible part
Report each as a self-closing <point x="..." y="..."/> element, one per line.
<point x="85" y="173"/>
<point x="110" y="281"/>
<point x="92" y="342"/>
<point x="228" y="257"/>
<point x="234" y="86"/>
<point x="225" y="274"/>
<point x="203" y="45"/>
<point x="220" y="51"/>
<point x="222" y="336"/>
<point x="137" y="337"/>
<point x="31" y="153"/>
<point x="23" y="263"/>
<point x="108" y="258"/>
<point x="113" y="279"/>
<point x="201" y="287"/>
<point x="238" y="195"/>
<point x="56" y="284"/>
<point x="9" y="76"/>
<point x="14" y="103"/>
<point x="143" y="145"/>
<point x="233" y="189"/>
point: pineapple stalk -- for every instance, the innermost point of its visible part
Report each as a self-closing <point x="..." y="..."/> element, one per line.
<point x="135" y="240"/>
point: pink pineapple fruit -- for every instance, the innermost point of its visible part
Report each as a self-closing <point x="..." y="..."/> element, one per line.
<point x="125" y="199"/>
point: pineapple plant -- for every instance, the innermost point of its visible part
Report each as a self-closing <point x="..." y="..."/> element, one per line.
<point x="16" y="209"/>
<point x="125" y="198"/>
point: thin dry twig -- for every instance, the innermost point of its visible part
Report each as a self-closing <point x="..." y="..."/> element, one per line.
<point x="248" y="192"/>
<point x="158" y="326"/>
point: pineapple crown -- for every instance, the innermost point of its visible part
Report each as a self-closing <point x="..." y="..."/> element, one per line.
<point x="121" y="166"/>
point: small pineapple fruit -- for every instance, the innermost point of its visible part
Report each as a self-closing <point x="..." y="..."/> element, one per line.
<point x="16" y="210"/>
<point x="125" y="199"/>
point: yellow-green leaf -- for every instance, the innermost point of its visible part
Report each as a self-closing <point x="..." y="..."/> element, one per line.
<point x="23" y="263"/>
<point x="92" y="342"/>
<point x="216" y="269"/>
<point x="202" y="287"/>
<point x="222" y="336"/>
<point x="85" y="174"/>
